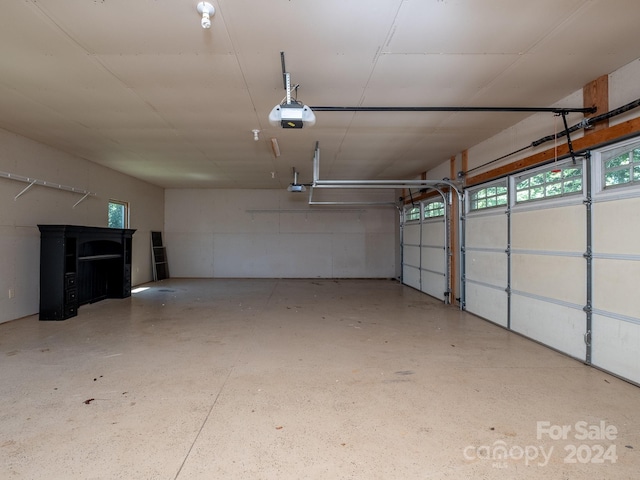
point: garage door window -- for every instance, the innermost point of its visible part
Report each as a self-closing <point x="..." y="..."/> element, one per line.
<point x="555" y="181"/>
<point x="412" y="213"/>
<point x="623" y="169"/>
<point x="489" y="197"/>
<point x="434" y="209"/>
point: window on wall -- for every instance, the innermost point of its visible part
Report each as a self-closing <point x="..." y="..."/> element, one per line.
<point x="623" y="169"/>
<point x="118" y="214"/>
<point x="412" y="213"/>
<point x="555" y="181"/>
<point x="489" y="197"/>
<point x="434" y="209"/>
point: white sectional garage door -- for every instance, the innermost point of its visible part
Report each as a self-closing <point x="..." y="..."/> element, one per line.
<point x="525" y="268"/>
<point x="560" y="263"/>
<point x="615" y="337"/>
<point x="424" y="251"/>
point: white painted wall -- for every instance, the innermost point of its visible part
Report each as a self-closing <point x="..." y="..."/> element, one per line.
<point x="19" y="234"/>
<point x="274" y="233"/>
<point x="623" y="88"/>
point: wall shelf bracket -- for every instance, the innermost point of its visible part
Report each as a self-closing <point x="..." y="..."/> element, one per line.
<point x="24" y="190"/>
<point x="82" y="199"/>
<point x="42" y="183"/>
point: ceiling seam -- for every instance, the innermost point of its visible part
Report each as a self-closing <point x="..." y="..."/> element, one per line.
<point x="97" y="62"/>
<point x="246" y="85"/>
<point x="526" y="51"/>
<point x="376" y="56"/>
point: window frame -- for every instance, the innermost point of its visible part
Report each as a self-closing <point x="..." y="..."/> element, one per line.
<point x="631" y="149"/>
<point x="501" y="183"/>
<point x="599" y="158"/>
<point x="126" y="212"/>
<point x="409" y="210"/>
<point x="426" y="208"/>
<point x="561" y="166"/>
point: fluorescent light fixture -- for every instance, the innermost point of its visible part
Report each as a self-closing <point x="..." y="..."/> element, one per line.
<point x="275" y="147"/>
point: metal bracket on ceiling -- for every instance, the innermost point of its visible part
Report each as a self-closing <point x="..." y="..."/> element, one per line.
<point x="286" y="80"/>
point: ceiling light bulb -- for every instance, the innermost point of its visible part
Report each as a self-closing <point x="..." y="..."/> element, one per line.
<point x="206" y="20"/>
<point x="206" y="9"/>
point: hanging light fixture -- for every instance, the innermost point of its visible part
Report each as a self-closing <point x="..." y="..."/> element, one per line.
<point x="206" y="10"/>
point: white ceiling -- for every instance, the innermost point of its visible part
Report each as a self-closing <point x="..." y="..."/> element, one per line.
<point x="140" y="87"/>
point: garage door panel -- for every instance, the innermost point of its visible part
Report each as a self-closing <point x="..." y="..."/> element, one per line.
<point x="616" y="346"/>
<point x="618" y="230"/>
<point x="561" y="278"/>
<point x="615" y="286"/>
<point x="411" y="276"/>
<point x="433" y="259"/>
<point x="556" y="229"/>
<point x="487" y="267"/>
<point x="487" y="302"/>
<point x="411" y="256"/>
<point x="486" y="230"/>
<point x="433" y="233"/>
<point x="557" y="326"/>
<point x="411" y="234"/>
<point x="424" y="247"/>
<point x="433" y="284"/>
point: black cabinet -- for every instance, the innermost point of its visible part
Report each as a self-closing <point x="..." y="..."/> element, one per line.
<point x="80" y="265"/>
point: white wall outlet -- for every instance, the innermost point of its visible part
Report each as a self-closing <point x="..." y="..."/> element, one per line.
<point x="12" y="293"/>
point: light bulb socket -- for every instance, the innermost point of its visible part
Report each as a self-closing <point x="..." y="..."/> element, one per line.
<point x="206" y="10"/>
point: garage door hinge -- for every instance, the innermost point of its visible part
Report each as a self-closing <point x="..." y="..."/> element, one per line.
<point x="588" y="254"/>
<point x="587" y="338"/>
<point x="587" y="308"/>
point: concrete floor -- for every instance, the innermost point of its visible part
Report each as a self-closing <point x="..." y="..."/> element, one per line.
<point x="300" y="379"/>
